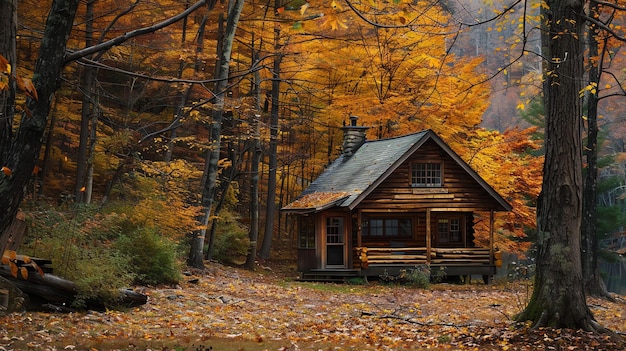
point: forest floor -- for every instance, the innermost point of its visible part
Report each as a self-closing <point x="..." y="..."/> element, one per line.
<point x="227" y="308"/>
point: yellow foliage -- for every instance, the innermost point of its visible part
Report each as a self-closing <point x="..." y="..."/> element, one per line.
<point x="161" y="196"/>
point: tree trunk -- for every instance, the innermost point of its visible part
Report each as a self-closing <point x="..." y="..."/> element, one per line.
<point x="254" y="198"/>
<point x="208" y="193"/>
<point x="225" y="184"/>
<point x="49" y="140"/>
<point x="558" y="298"/>
<point x="8" y="25"/>
<point x="594" y="285"/>
<point x="270" y="209"/>
<point x="25" y="147"/>
<point x="86" y="85"/>
<point x="208" y="164"/>
<point x="92" y="150"/>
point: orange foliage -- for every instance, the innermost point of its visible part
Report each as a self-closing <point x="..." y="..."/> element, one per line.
<point x="399" y="81"/>
<point x="504" y="161"/>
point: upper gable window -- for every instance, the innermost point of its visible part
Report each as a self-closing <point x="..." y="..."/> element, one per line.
<point x="426" y="175"/>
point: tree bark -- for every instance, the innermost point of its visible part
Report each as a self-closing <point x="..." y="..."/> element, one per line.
<point x="25" y="147"/>
<point x="253" y="235"/>
<point x="8" y="25"/>
<point x="594" y="285"/>
<point x="208" y="194"/>
<point x="270" y="208"/>
<point x="558" y="298"/>
<point x="86" y="85"/>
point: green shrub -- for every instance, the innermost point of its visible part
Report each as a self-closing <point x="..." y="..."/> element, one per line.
<point x="419" y="276"/>
<point x="231" y="241"/>
<point x="153" y="258"/>
<point x="356" y="281"/>
<point x="98" y="270"/>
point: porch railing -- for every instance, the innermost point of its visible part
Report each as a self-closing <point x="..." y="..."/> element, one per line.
<point x="367" y="256"/>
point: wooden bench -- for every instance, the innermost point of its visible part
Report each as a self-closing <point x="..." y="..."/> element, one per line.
<point x="391" y="255"/>
<point x="418" y="255"/>
<point x="471" y="255"/>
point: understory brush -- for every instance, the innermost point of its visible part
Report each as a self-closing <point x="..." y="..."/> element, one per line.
<point x="231" y="240"/>
<point x="102" y="251"/>
<point x="421" y="276"/>
<point x="80" y="254"/>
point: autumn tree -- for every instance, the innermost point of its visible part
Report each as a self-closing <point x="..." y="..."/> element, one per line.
<point x="53" y="57"/>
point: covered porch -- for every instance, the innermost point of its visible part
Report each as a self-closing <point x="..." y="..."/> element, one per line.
<point x="442" y="238"/>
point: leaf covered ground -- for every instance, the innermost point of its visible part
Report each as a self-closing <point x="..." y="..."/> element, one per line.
<point x="226" y="308"/>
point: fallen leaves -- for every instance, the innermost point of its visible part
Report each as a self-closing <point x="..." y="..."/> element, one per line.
<point x="230" y="304"/>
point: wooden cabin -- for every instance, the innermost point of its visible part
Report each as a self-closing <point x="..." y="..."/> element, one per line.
<point x="393" y="204"/>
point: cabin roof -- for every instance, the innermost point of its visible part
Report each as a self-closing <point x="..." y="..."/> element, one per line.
<point x="349" y="179"/>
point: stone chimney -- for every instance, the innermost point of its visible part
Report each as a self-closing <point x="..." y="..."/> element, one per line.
<point x="353" y="137"/>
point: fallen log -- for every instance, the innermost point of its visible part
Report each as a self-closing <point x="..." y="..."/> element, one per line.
<point x="53" y="290"/>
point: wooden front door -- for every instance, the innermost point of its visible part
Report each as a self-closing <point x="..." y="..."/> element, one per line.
<point x="335" y="242"/>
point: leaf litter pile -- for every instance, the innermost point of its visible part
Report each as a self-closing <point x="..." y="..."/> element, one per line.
<point x="226" y="308"/>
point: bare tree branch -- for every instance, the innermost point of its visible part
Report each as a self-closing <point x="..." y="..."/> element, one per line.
<point x="610" y="4"/>
<point x="605" y="28"/>
<point x="137" y="32"/>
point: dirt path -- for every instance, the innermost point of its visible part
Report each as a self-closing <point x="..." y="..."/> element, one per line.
<point x="228" y="308"/>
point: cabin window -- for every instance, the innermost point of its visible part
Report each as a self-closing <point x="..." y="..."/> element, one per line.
<point x="334" y="230"/>
<point x="306" y="239"/>
<point x="449" y="230"/>
<point x="387" y="227"/>
<point x="426" y="175"/>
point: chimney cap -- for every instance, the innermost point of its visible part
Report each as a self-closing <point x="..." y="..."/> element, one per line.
<point x="353" y="120"/>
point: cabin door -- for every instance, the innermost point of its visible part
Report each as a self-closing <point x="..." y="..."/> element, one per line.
<point x="335" y="242"/>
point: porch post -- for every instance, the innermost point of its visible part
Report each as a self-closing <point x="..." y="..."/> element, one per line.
<point x="428" y="244"/>
<point x="359" y="241"/>
<point x="491" y="251"/>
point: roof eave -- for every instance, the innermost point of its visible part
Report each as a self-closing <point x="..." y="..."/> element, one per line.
<point x="317" y="209"/>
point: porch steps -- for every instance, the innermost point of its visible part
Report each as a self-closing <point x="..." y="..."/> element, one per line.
<point x="329" y="275"/>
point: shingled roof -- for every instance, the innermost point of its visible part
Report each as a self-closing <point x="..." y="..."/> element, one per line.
<point x="349" y="179"/>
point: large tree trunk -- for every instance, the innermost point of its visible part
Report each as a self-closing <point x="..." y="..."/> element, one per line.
<point x="25" y="147"/>
<point x="208" y="194"/>
<point x="558" y="298"/>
